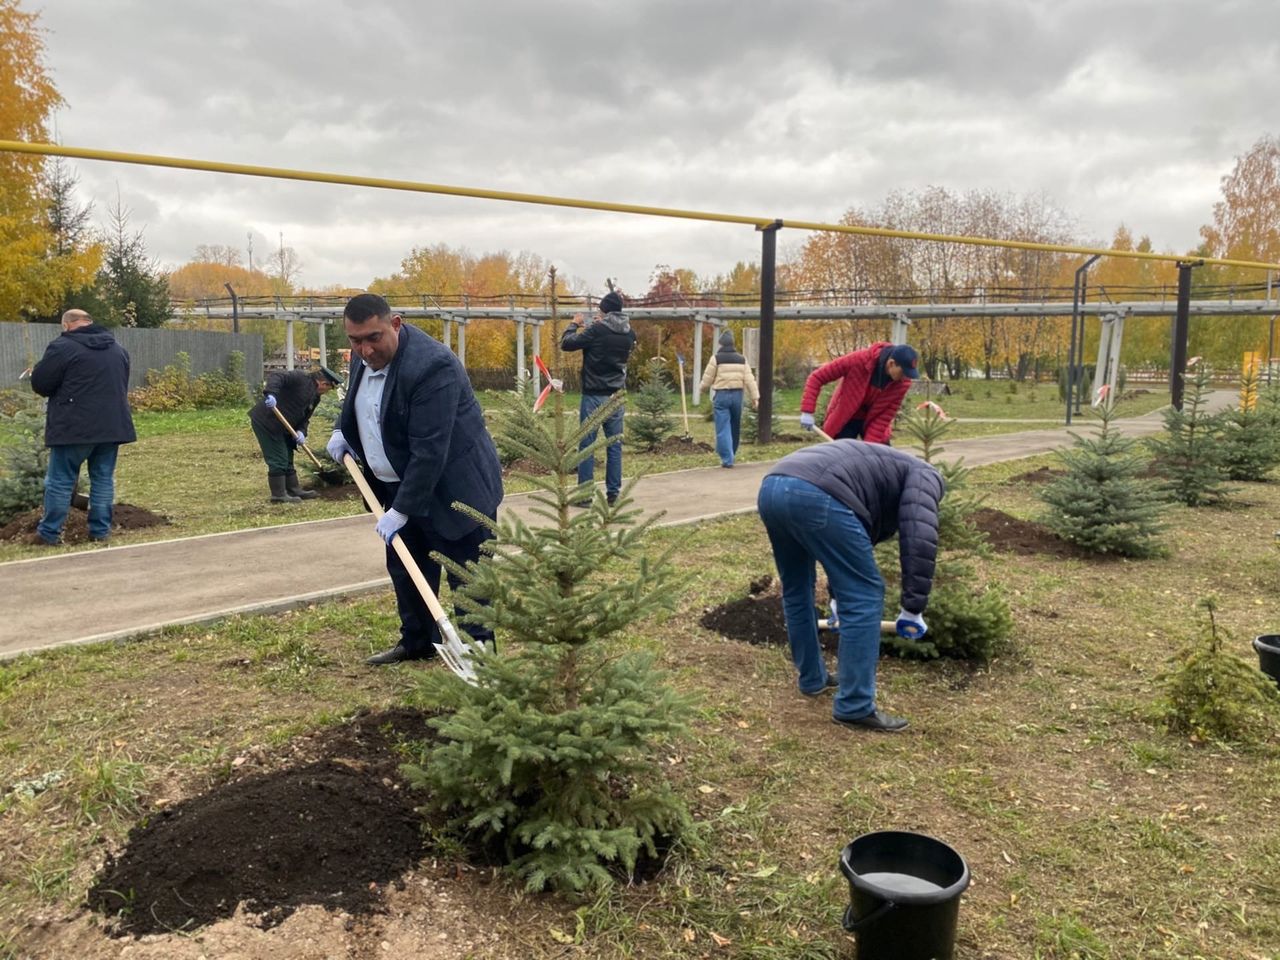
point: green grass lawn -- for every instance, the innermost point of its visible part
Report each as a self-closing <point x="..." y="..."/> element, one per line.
<point x="203" y="470"/>
<point x="1091" y="832"/>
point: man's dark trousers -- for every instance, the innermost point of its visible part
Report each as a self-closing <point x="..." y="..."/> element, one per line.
<point x="418" y="630"/>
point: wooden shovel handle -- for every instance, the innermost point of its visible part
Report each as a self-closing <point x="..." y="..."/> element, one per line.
<point x="293" y="433"/>
<point x="419" y="581"/>
<point x="826" y="437"/>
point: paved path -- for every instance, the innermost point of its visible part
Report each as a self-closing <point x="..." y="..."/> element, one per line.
<point x="129" y="590"/>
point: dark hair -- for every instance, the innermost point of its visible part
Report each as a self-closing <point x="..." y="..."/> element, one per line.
<point x="366" y="306"/>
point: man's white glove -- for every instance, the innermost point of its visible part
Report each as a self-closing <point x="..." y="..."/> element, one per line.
<point x="806" y="421"/>
<point x="337" y="446"/>
<point x="270" y="401"/>
<point x="300" y="437"/>
<point x="910" y="626"/>
<point x="391" y="522"/>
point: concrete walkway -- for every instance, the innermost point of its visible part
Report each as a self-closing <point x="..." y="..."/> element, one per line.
<point x="125" y="591"/>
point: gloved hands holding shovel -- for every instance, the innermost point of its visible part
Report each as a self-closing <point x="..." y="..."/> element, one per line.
<point x="337" y="446"/>
<point x="910" y="626"/>
<point x="390" y="523"/>
<point x="300" y="437"/>
<point x="270" y="401"/>
<point x="806" y="421"/>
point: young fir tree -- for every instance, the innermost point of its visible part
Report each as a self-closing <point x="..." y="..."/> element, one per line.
<point x="648" y="423"/>
<point x="552" y="755"/>
<point x="1102" y="503"/>
<point x="1188" y="455"/>
<point x="751" y="421"/>
<point x="1212" y="694"/>
<point x="968" y="619"/>
<point x="1250" y="446"/>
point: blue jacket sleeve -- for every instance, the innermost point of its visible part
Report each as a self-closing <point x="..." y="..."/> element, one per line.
<point x="46" y="376"/>
<point x="918" y="536"/>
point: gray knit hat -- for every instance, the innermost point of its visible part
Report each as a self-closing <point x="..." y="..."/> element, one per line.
<point x="726" y="339"/>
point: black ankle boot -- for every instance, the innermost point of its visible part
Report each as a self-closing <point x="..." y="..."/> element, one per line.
<point x="294" y="488"/>
<point x="278" y="492"/>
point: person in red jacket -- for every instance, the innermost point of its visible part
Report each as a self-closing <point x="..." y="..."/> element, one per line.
<point x="872" y="383"/>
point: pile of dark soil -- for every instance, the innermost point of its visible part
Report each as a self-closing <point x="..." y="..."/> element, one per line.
<point x="757" y="618"/>
<point x="682" y="445"/>
<point x="1023" y="537"/>
<point x="125" y="516"/>
<point x="1037" y="476"/>
<point x="340" y="491"/>
<point x="330" y="828"/>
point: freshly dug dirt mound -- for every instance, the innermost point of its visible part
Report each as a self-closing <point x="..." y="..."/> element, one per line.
<point x="682" y="445"/>
<point x="340" y="491"/>
<point x="1037" y="476"/>
<point x="125" y="516"/>
<point x="1023" y="537"/>
<point x="328" y="831"/>
<point x="757" y="618"/>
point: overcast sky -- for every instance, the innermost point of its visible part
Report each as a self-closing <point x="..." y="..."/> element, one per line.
<point x="1118" y="110"/>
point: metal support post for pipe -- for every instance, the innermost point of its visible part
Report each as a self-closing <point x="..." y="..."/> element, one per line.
<point x="697" y="360"/>
<point x="1181" y="332"/>
<point x="768" y="291"/>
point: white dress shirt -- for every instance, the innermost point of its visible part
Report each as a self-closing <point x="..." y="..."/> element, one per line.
<point x="368" y="410"/>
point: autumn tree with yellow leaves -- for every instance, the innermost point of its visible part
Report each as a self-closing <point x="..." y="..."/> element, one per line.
<point x="37" y="267"/>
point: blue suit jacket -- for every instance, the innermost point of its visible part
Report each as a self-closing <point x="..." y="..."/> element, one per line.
<point x="434" y="435"/>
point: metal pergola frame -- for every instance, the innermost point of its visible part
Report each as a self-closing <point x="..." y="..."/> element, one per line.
<point x="1112" y="316"/>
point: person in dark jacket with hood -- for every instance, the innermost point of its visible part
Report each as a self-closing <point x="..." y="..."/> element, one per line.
<point x="830" y="504"/>
<point x="85" y="375"/>
<point x="606" y="345"/>
<point x="296" y="394"/>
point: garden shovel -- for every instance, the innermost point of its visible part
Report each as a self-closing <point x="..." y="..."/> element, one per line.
<point x="327" y="474"/>
<point x="456" y="654"/>
<point x="684" y="408"/>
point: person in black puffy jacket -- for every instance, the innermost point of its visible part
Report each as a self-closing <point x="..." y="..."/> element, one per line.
<point x="831" y="504"/>
<point x="296" y="394"/>
<point x="85" y="375"/>
<point x="606" y="345"/>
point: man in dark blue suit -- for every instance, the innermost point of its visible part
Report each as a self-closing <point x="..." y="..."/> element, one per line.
<point x="412" y="421"/>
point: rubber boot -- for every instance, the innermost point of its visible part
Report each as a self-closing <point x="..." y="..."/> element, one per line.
<point x="278" y="492"/>
<point x="294" y="488"/>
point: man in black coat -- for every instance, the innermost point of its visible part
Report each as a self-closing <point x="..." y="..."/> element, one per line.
<point x="85" y="375"/>
<point x="296" y="394"/>
<point x="830" y="504"/>
<point x="605" y="344"/>
<point x="412" y="420"/>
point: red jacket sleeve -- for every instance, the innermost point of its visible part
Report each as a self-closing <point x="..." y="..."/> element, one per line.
<point x="832" y="370"/>
<point x="879" y="423"/>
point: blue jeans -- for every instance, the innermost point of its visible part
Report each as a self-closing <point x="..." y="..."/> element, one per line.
<point x="613" y="454"/>
<point x="60" y="485"/>
<point x="727" y="407"/>
<point x="805" y="526"/>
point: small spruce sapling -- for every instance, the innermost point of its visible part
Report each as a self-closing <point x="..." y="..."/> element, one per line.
<point x="1212" y="694"/>
<point x="1188" y="455"/>
<point x="1102" y="503"/>
<point x="1250" y="446"/>
<point x="968" y="619"/>
<point x="649" y="423"/>
<point x="553" y="756"/>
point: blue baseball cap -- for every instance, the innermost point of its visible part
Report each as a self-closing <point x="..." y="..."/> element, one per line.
<point x="907" y="358"/>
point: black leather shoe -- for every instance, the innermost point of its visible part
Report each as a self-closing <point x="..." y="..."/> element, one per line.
<point x="879" y="722"/>
<point x="831" y="684"/>
<point x="399" y="654"/>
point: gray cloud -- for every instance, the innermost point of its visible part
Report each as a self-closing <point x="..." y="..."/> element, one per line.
<point x="1128" y="110"/>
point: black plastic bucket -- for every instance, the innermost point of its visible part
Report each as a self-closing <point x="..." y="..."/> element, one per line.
<point x="1268" y="647"/>
<point x="904" y="895"/>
